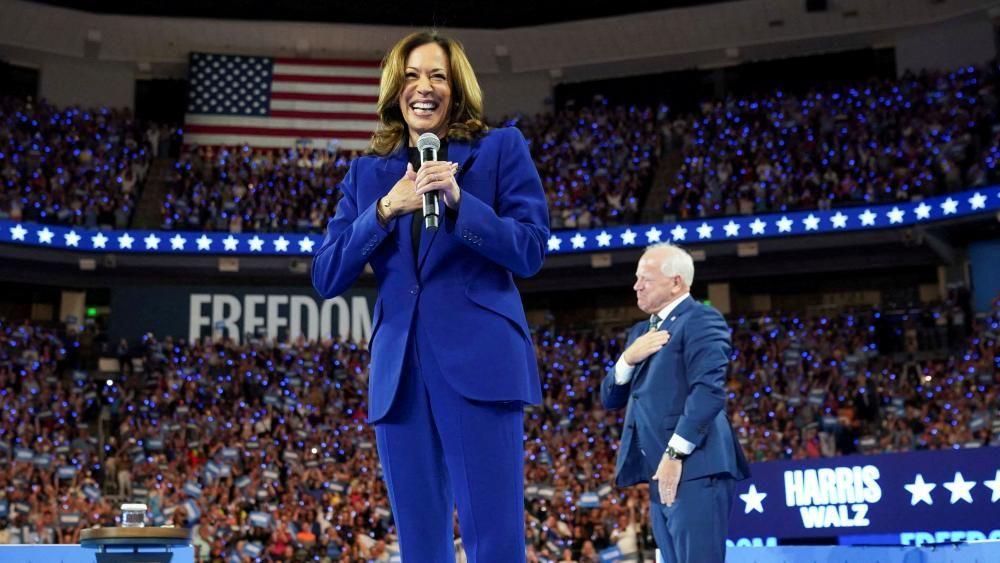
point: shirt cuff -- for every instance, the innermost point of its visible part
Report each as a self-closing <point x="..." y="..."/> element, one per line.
<point x="680" y="444"/>
<point x="623" y="371"/>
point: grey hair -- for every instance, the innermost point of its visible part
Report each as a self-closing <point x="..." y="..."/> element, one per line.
<point x="676" y="262"/>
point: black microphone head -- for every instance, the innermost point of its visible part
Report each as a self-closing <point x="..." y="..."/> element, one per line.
<point x="428" y="141"/>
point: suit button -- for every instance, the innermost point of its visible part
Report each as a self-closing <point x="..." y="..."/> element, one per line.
<point x="415" y="289"/>
<point x="635" y="396"/>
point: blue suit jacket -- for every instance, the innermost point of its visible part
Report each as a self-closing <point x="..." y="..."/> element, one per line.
<point x="460" y="285"/>
<point x="681" y="389"/>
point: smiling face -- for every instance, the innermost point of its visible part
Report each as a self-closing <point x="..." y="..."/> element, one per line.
<point x="425" y="100"/>
<point x="654" y="289"/>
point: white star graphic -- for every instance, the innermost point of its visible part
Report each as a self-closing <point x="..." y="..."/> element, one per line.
<point x="960" y="488"/>
<point x="99" y="240"/>
<point x="125" y="241"/>
<point x="757" y="227"/>
<point x="839" y="220"/>
<point x="554" y="243"/>
<point x="977" y="201"/>
<point x="628" y="237"/>
<point x="230" y="243"/>
<point x="653" y="234"/>
<point x="281" y="245"/>
<point x="811" y="222"/>
<point x="578" y="240"/>
<point x="868" y="218"/>
<point x="177" y="242"/>
<point x="923" y="210"/>
<point x="306" y="245"/>
<point x="152" y="242"/>
<point x="705" y="230"/>
<point x="45" y="236"/>
<point x="784" y="225"/>
<point x="678" y="232"/>
<point x="994" y="486"/>
<point x="920" y="490"/>
<point x="72" y="239"/>
<point x="754" y="500"/>
<point x="204" y="243"/>
<point x="603" y="239"/>
<point x="895" y="215"/>
<point x="732" y="228"/>
<point x="17" y="232"/>
<point x="949" y="206"/>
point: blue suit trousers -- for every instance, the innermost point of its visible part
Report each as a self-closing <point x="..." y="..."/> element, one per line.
<point x="440" y="451"/>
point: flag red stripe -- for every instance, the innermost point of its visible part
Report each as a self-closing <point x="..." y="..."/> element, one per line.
<point x="275" y="132"/>
<point x="322" y="114"/>
<point x="328" y="62"/>
<point x="366" y="80"/>
<point x="324" y="97"/>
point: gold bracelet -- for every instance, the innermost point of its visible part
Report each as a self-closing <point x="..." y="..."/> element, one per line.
<point x="382" y="215"/>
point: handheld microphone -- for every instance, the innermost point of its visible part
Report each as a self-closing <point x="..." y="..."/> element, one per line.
<point x="428" y="144"/>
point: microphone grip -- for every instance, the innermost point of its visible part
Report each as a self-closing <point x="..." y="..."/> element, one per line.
<point x="431" y="212"/>
<point x="432" y="206"/>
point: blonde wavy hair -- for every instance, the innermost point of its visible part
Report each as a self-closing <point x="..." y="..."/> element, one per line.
<point x="465" y="120"/>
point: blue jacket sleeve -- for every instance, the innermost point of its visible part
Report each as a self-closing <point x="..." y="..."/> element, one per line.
<point x="706" y="360"/>
<point x="350" y="239"/>
<point x="515" y="234"/>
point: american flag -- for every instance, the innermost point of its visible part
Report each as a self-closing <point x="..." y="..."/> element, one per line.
<point x="281" y="102"/>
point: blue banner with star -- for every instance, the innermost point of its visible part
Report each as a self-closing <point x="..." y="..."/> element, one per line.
<point x="910" y="498"/>
<point x="697" y="231"/>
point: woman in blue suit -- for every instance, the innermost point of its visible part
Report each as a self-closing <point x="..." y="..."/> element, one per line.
<point x="452" y="363"/>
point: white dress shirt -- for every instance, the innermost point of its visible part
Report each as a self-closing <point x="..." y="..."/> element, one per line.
<point x="623" y="374"/>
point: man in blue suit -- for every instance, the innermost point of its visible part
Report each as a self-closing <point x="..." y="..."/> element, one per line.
<point x="671" y="378"/>
<point x="452" y="361"/>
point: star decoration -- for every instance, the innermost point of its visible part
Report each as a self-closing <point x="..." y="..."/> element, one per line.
<point x="678" y="232"/>
<point x="125" y="241"/>
<point x="45" y="236"/>
<point x="868" y="218"/>
<point x="839" y="220"/>
<point x="811" y="222"/>
<point x="923" y="210"/>
<point x="994" y="486"/>
<point x="628" y="237"/>
<point x="603" y="239"/>
<point x="554" y="243"/>
<point x="72" y="239"/>
<point x="960" y="488"/>
<point x="949" y="206"/>
<point x="977" y="201"/>
<point x="705" y="230"/>
<point x="230" y="243"/>
<point x="653" y="234"/>
<point x="152" y="242"/>
<point x="256" y="244"/>
<point x="17" y="232"/>
<point x="895" y="215"/>
<point x="281" y="244"/>
<point x="306" y="245"/>
<point x="920" y="491"/>
<point x="784" y="225"/>
<point x="753" y="500"/>
<point x="732" y="228"/>
<point x="177" y="242"/>
<point x="578" y="240"/>
<point x="204" y="243"/>
<point x="757" y="227"/>
<point x="99" y="240"/>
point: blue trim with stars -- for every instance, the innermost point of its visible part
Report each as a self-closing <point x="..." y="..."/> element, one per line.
<point x="719" y="229"/>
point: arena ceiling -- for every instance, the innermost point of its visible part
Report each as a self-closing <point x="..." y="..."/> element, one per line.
<point x="436" y="13"/>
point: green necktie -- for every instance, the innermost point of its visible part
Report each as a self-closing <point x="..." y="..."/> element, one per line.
<point x="654" y="323"/>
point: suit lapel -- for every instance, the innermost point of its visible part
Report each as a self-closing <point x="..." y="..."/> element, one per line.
<point x="459" y="152"/>
<point x="681" y="309"/>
